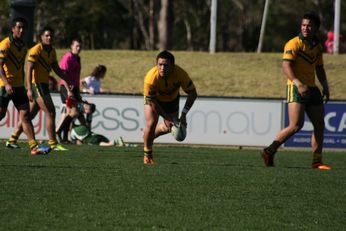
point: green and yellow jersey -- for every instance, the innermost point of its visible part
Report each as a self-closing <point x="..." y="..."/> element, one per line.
<point x="305" y="57"/>
<point x="13" y="55"/>
<point x="43" y="61"/>
<point x="166" y="89"/>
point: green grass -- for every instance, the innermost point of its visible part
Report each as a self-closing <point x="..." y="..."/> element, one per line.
<point x="188" y="188"/>
<point x="221" y="74"/>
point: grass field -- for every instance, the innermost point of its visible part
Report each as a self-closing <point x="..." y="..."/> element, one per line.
<point x="221" y="74"/>
<point x="188" y="188"/>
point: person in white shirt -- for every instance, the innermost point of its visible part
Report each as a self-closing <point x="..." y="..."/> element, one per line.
<point x="92" y="83"/>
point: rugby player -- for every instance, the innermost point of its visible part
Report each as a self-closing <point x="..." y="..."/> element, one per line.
<point x="161" y="98"/>
<point x="12" y="58"/>
<point x="302" y="60"/>
<point x="41" y="59"/>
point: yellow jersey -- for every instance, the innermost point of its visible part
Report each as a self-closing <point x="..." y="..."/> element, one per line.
<point x="166" y="89"/>
<point x="13" y="55"/>
<point x="305" y="56"/>
<point x="43" y="61"/>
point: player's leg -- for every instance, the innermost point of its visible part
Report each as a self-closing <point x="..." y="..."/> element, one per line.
<point x="151" y="118"/>
<point x="3" y="105"/>
<point x="296" y="122"/>
<point x="4" y="101"/>
<point x="70" y="113"/>
<point x="316" y="116"/>
<point x="315" y="113"/>
<point x="12" y="141"/>
<point x="22" y="104"/>
<point x="164" y="127"/>
<point x="63" y="114"/>
<point x="172" y="109"/>
<point x="46" y="104"/>
<point x="28" y="129"/>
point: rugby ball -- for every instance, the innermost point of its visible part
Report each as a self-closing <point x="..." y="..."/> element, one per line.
<point x="179" y="132"/>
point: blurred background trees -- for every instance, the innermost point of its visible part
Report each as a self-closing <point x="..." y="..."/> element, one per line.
<point x="177" y="25"/>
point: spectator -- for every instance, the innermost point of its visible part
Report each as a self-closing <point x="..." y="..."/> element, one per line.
<point x="71" y="64"/>
<point x="92" y="83"/>
<point x="329" y="43"/>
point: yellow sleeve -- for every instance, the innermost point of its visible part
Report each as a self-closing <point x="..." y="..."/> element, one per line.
<point x="186" y="82"/>
<point x="4" y="46"/>
<point x="290" y="50"/>
<point x="149" y="88"/>
<point x="33" y="54"/>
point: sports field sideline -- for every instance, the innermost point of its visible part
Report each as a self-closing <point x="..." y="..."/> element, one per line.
<point x="188" y="188"/>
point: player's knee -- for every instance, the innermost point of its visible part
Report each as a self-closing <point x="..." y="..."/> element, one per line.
<point x="164" y="128"/>
<point x="25" y="117"/>
<point x="297" y="127"/>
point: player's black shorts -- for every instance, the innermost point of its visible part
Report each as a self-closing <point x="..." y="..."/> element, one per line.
<point x="170" y="107"/>
<point x="40" y="90"/>
<point x="19" y="97"/>
<point x="312" y="99"/>
<point x="63" y="93"/>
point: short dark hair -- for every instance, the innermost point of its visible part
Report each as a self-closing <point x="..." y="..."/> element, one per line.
<point x="18" y="19"/>
<point x="166" y="55"/>
<point x="46" y="28"/>
<point x="76" y="40"/>
<point x="313" y="16"/>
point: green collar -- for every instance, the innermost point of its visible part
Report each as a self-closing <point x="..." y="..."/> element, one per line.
<point x="17" y="42"/>
<point x="311" y="42"/>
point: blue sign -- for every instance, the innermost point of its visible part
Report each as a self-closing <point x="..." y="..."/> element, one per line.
<point x="335" y="128"/>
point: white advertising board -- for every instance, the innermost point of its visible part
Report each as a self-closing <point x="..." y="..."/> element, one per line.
<point x="223" y="121"/>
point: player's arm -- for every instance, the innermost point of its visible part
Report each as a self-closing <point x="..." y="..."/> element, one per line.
<point x="322" y="78"/>
<point x="29" y="69"/>
<point x="8" y="86"/>
<point x="191" y="98"/>
<point x="287" y="68"/>
<point x="66" y="82"/>
<point x="60" y="73"/>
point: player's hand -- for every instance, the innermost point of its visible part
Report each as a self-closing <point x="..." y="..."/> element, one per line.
<point x="303" y="90"/>
<point x="70" y="93"/>
<point x="325" y="94"/>
<point x="30" y="95"/>
<point x="9" y="89"/>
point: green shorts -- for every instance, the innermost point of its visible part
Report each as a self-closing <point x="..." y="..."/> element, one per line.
<point x="312" y="99"/>
<point x="95" y="139"/>
<point x="40" y="90"/>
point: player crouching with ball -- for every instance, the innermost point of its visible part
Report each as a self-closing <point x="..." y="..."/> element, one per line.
<point x="161" y="98"/>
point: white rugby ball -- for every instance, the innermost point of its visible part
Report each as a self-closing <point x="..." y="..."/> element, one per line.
<point x="179" y="132"/>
